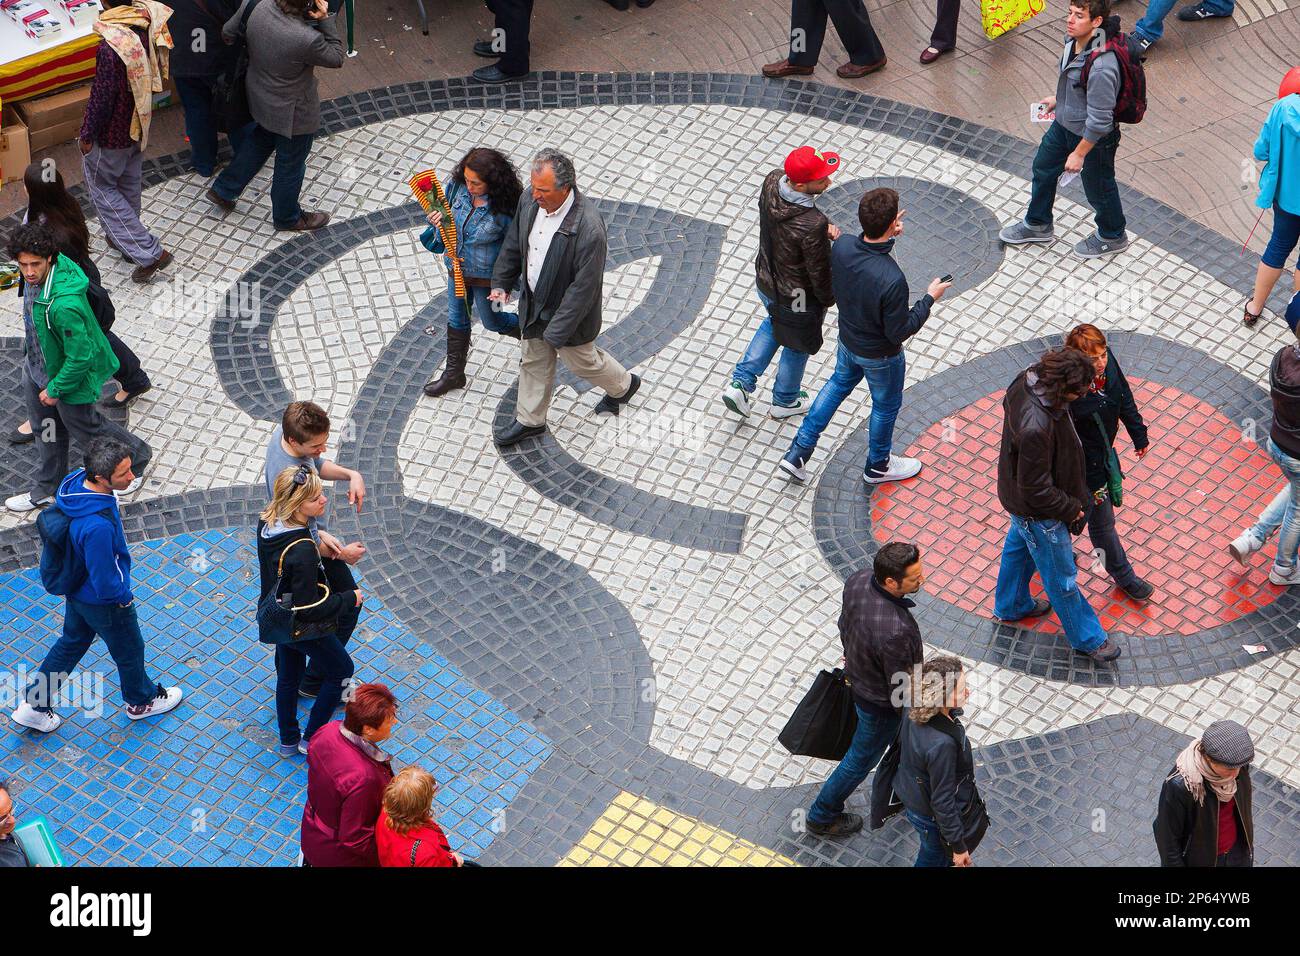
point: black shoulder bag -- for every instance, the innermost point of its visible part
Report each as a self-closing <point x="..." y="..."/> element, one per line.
<point x="277" y="617"/>
<point x="792" y="329"/>
<point x="230" y="89"/>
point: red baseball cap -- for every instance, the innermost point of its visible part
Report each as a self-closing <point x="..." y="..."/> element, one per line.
<point x="1290" y="83"/>
<point x="807" y="164"/>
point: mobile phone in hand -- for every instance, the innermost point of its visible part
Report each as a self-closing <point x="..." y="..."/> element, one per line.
<point x="947" y="278"/>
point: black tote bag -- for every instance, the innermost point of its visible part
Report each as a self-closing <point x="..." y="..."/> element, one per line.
<point x="824" y="722"/>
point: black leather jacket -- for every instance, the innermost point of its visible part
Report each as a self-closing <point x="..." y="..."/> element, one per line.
<point x="800" y="245"/>
<point x="1040" y="466"/>
<point x="1187" y="832"/>
<point x="935" y="777"/>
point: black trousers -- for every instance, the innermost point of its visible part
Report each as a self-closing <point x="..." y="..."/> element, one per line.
<point x="1101" y="529"/>
<point x="808" y="30"/>
<point x="339" y="576"/>
<point x="513" y="18"/>
<point x="944" y="36"/>
<point x="129" y="374"/>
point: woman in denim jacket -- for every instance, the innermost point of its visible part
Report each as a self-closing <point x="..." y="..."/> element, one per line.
<point x="483" y="193"/>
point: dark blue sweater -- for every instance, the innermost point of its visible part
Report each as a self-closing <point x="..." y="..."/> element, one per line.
<point x="871" y="291"/>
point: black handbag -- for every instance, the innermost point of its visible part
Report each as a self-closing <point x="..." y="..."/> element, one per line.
<point x="975" y="815"/>
<point x="800" y="330"/>
<point x="230" y="89"/>
<point x="824" y="722"/>
<point x="277" y="617"/>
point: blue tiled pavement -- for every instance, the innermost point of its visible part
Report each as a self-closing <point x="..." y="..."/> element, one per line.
<point x="203" y="785"/>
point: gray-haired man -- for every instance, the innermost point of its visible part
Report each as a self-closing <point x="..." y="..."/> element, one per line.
<point x="557" y="243"/>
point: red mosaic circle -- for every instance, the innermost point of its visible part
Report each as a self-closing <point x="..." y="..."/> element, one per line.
<point x="1200" y="486"/>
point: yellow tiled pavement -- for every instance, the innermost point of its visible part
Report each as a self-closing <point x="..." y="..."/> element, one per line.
<point x="634" y="831"/>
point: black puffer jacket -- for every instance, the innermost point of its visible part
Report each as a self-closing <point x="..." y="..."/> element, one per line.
<point x="801" y="248"/>
<point x="1112" y="404"/>
<point x="1040" y="467"/>
<point x="302" y="573"/>
<point x="935" y="777"/>
<point x="1187" y="832"/>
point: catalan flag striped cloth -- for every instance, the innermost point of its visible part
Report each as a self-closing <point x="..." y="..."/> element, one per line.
<point x="48" y="70"/>
<point x="428" y="190"/>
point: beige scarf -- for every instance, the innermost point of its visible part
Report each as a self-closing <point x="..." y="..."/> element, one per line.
<point x="146" y="65"/>
<point x="1196" y="772"/>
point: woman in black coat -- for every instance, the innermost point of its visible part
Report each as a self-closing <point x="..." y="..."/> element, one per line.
<point x="1109" y="399"/>
<point x="287" y="552"/>
<point x="50" y="203"/>
<point x="935" y="777"/>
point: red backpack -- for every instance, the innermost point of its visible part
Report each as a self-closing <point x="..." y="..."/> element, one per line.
<point x="1131" y="98"/>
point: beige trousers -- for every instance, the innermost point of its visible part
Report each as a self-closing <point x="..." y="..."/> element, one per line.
<point x="537" y="375"/>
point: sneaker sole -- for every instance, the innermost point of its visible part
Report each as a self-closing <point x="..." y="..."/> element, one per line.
<point x="736" y="409"/>
<point x="787" y="413"/>
<point x="789" y="469"/>
<point x="885" y="481"/>
<point x="1239" y="557"/>
<point x="39" y="730"/>
<point x="1043" y="240"/>
<point x="156" y="712"/>
<point x="1099" y="255"/>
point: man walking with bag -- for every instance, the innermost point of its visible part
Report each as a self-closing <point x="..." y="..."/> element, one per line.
<point x="882" y="645"/>
<point x="557" y="243"/>
<point x="793" y="276"/>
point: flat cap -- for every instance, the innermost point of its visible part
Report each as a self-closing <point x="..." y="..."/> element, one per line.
<point x="1227" y="742"/>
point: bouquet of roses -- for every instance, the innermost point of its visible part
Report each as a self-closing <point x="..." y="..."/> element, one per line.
<point x="428" y="190"/>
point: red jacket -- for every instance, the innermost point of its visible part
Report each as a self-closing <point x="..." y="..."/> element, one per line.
<point x="345" y="793"/>
<point x="395" y="848"/>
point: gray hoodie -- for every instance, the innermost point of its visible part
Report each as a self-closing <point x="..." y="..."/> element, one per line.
<point x="1090" y="113"/>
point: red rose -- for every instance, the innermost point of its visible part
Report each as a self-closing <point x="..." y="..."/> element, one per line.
<point x="425" y="182"/>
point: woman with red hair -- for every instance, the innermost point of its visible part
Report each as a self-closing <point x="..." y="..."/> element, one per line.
<point x="347" y="774"/>
<point x="1097" y="415"/>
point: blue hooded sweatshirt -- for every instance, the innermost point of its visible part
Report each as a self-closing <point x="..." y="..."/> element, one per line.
<point x="99" y="540"/>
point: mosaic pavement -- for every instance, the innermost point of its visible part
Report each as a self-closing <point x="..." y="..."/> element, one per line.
<point x="597" y="635"/>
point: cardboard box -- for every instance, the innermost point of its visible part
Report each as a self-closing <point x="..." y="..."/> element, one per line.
<point x="53" y="135"/>
<point x="62" y="107"/>
<point x="15" y="149"/>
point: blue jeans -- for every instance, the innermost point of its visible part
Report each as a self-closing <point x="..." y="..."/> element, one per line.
<point x="490" y="314"/>
<point x="1098" y="176"/>
<point x="932" y="852"/>
<point x="885" y="377"/>
<point x="1152" y="25"/>
<point x="1286" y="234"/>
<point x="789" y="374"/>
<point x="119" y="628"/>
<point x="870" y="741"/>
<point x="286" y="182"/>
<point x="1046" y="546"/>
<point x="1270" y="519"/>
<point x="1288" y="542"/>
<point x="197" y="93"/>
<point x="327" y="655"/>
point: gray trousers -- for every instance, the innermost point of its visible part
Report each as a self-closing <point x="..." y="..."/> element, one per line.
<point x="113" y="178"/>
<point x="53" y="424"/>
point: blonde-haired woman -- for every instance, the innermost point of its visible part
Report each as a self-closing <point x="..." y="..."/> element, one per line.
<point x="287" y="552"/>
<point x="936" y="770"/>
<point x="406" y="834"/>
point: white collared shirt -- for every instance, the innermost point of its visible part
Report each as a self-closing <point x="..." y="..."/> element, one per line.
<point x="545" y="226"/>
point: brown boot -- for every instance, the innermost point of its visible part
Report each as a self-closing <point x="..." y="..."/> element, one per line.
<point x="145" y="273"/>
<point x="453" y="376"/>
<point x="774" y="71"/>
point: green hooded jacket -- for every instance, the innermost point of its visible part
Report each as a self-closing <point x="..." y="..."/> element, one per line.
<point x="78" y="358"/>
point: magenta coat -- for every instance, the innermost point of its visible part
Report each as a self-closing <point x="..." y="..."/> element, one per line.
<point x="345" y="792"/>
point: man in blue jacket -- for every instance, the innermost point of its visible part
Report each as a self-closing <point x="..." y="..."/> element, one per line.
<point x="875" y="321"/>
<point x="104" y="604"/>
<point x="1082" y="139"/>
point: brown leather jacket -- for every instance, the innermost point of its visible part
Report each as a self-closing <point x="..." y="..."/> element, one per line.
<point x="801" y="248"/>
<point x="1040" y="467"/>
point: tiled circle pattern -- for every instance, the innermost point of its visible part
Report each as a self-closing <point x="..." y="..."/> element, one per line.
<point x="1199" y="485"/>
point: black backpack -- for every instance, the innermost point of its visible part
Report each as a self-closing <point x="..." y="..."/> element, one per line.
<point x="1131" y="98"/>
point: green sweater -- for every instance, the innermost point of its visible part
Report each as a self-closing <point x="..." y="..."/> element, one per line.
<point x="78" y="358"/>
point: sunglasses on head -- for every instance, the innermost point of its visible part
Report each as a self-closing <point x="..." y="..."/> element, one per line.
<point x="300" y="476"/>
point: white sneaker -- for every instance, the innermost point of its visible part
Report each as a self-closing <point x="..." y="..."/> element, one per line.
<point x="1284" y="578"/>
<point x="801" y="405"/>
<point x="167" y="700"/>
<point x="28" y="716"/>
<point x="1243" y="547"/>
<point x="736" y="399"/>
<point x="900" y="469"/>
<point x="25" y="503"/>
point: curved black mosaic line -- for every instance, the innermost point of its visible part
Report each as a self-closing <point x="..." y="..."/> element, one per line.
<point x="842" y="525"/>
<point x="945" y="230"/>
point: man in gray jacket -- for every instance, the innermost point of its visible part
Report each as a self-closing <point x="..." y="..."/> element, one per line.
<point x="557" y="244"/>
<point x="1082" y="139"/>
<point x="286" y="40"/>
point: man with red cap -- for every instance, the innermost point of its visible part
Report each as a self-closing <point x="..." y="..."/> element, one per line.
<point x="808" y="30"/>
<point x="793" y="275"/>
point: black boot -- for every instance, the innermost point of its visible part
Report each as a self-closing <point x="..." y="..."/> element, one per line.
<point x="453" y="376"/>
